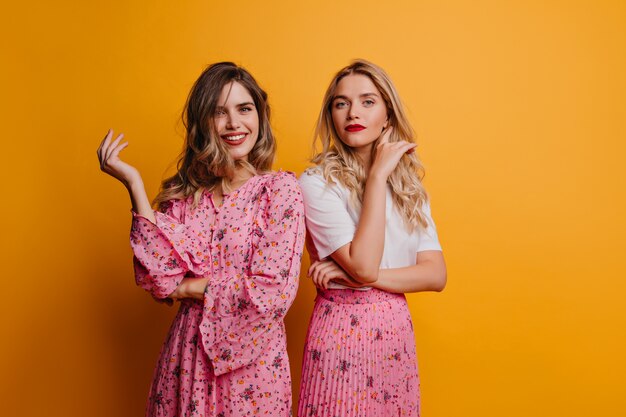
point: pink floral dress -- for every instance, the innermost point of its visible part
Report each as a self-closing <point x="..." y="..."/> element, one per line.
<point x="225" y="355"/>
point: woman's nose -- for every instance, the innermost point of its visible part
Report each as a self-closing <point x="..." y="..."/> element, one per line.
<point x="232" y="122"/>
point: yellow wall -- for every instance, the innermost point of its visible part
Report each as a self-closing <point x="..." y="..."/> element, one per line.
<point x="520" y="109"/>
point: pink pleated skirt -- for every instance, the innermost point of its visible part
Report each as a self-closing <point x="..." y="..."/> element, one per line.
<point x="359" y="357"/>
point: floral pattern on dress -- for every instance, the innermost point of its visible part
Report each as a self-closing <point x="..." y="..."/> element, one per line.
<point x="225" y="355"/>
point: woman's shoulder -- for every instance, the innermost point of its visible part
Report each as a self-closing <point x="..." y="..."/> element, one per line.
<point x="281" y="184"/>
<point x="314" y="179"/>
<point x="314" y="173"/>
<point x="278" y="178"/>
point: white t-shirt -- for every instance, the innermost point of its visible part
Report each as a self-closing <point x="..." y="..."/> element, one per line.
<point x="331" y="222"/>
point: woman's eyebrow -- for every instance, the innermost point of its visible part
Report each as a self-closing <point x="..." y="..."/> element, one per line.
<point x="361" y="96"/>
<point x="247" y="103"/>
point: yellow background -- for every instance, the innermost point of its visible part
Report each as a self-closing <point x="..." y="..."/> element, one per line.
<point x="520" y="109"/>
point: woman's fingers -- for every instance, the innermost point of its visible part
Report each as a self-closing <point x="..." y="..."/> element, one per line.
<point x="322" y="276"/>
<point x="315" y="272"/>
<point x="385" y="135"/>
<point x="311" y="269"/>
<point x="325" y="268"/>
<point x="326" y="273"/>
<point x="118" y="148"/>
<point x="113" y="145"/>
<point x="409" y="147"/>
<point x="107" y="139"/>
<point x="317" y="266"/>
<point x="110" y="162"/>
<point x="389" y="154"/>
<point x="106" y="148"/>
<point x="104" y="145"/>
<point x="115" y="153"/>
<point x="314" y="266"/>
<point x="402" y="145"/>
<point x="322" y="272"/>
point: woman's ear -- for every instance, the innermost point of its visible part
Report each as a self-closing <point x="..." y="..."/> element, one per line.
<point x="386" y="125"/>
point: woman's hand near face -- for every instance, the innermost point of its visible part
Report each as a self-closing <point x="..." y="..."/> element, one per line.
<point x="110" y="163"/>
<point x="388" y="154"/>
<point x="323" y="272"/>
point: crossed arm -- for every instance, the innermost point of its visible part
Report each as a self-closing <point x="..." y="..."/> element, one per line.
<point x="428" y="274"/>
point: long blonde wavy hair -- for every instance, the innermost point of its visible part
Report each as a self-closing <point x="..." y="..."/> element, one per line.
<point x="339" y="162"/>
<point x="205" y="162"/>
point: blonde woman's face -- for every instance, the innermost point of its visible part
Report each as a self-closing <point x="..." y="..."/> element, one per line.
<point x="358" y="111"/>
<point x="237" y="120"/>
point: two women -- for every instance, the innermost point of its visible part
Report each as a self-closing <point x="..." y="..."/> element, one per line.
<point x="228" y="246"/>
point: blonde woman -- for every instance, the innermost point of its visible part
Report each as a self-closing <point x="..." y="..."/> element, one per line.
<point x="226" y="243"/>
<point x="372" y="239"/>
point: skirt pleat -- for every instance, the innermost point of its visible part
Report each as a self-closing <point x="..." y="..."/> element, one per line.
<point x="359" y="357"/>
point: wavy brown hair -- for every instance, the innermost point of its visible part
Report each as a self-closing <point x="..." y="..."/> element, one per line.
<point x="338" y="162"/>
<point x="205" y="161"/>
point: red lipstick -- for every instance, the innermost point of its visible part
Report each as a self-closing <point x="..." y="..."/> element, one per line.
<point x="354" y="128"/>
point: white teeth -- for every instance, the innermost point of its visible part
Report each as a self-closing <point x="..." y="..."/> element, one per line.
<point x="234" y="138"/>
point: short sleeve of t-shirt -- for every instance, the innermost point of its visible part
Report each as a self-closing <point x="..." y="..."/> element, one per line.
<point x="428" y="239"/>
<point x="328" y="220"/>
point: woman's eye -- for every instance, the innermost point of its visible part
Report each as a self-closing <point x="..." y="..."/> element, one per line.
<point x="368" y="103"/>
<point x="246" y="109"/>
<point x="340" y="104"/>
<point x="219" y="113"/>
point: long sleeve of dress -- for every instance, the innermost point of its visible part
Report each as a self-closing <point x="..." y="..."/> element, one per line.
<point x="166" y="251"/>
<point x="242" y="312"/>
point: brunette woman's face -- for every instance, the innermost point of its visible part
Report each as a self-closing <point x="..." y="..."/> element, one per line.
<point x="358" y="111"/>
<point x="237" y="120"/>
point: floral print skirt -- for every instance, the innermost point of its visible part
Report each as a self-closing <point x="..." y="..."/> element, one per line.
<point x="359" y="357"/>
<point x="184" y="384"/>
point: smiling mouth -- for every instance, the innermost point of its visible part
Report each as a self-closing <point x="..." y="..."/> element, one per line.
<point x="354" y="128"/>
<point x="235" y="139"/>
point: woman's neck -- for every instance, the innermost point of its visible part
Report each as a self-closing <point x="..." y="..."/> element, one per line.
<point x="240" y="176"/>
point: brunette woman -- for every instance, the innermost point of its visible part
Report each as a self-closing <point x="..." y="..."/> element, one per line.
<point x="226" y="242"/>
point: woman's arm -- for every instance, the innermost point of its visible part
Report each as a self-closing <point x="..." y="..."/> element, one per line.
<point x="190" y="288"/>
<point x="161" y="279"/>
<point x="361" y="257"/>
<point x="110" y="163"/>
<point x="429" y="274"/>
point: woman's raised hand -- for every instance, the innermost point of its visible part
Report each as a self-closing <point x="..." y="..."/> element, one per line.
<point x="388" y="154"/>
<point x="110" y="162"/>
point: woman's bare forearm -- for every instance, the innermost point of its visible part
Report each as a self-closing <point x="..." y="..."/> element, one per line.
<point x="428" y="275"/>
<point x="366" y="249"/>
<point x="361" y="258"/>
<point x="139" y="200"/>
